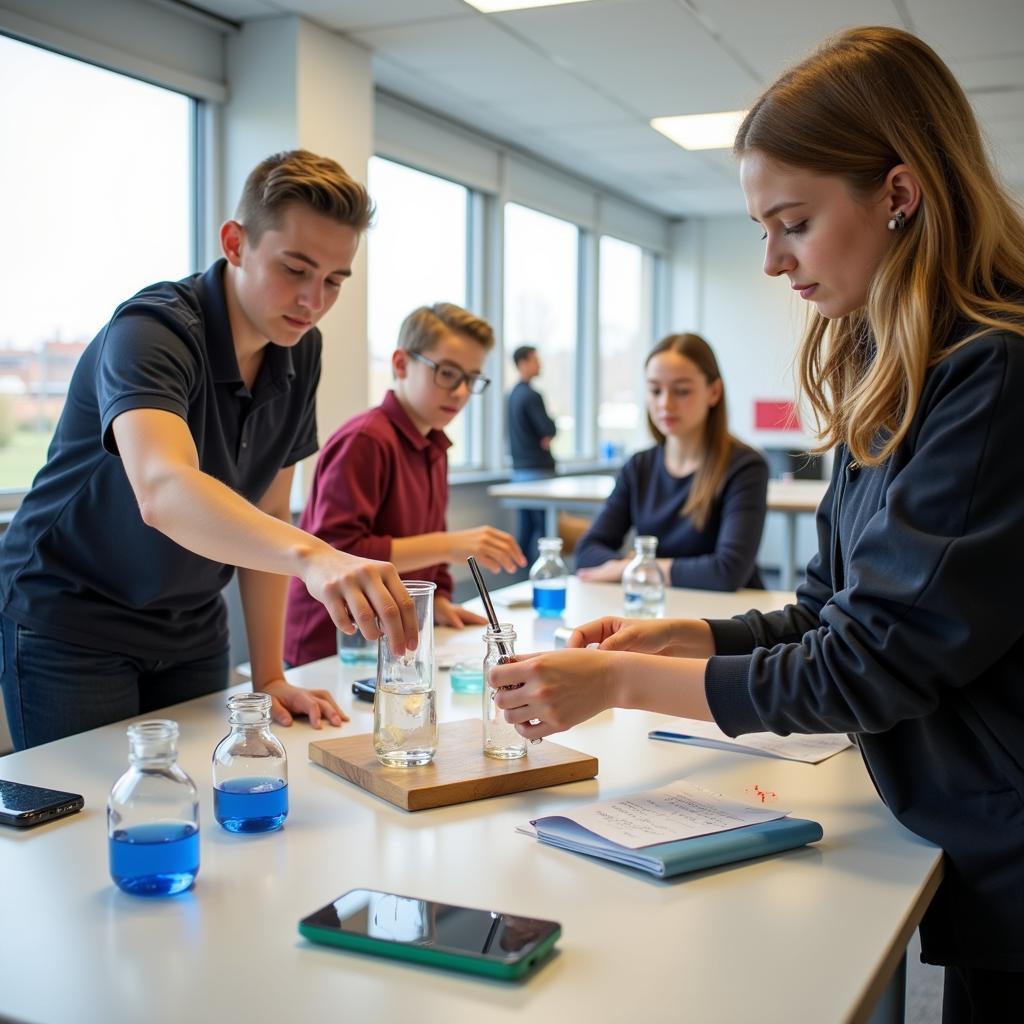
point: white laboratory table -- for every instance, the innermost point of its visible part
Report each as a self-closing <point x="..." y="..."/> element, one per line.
<point x="586" y="494"/>
<point x="810" y="935"/>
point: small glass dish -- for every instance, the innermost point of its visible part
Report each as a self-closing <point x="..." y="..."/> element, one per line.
<point x="468" y="676"/>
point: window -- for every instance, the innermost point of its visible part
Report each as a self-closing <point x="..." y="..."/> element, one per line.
<point x="624" y="325"/>
<point x="416" y="255"/>
<point x="97" y="193"/>
<point x="541" y="277"/>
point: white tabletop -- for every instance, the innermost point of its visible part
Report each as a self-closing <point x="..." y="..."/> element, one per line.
<point x="783" y="495"/>
<point x="808" y="935"/>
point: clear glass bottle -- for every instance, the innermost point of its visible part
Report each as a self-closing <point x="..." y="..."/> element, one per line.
<point x="643" y="585"/>
<point x="500" y="738"/>
<point x="549" y="577"/>
<point x="405" y="705"/>
<point x="250" y="769"/>
<point x="153" y="816"/>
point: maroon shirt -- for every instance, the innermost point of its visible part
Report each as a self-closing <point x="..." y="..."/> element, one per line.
<point x="377" y="477"/>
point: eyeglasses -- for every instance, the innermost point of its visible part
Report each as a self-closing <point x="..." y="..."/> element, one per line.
<point x="450" y="378"/>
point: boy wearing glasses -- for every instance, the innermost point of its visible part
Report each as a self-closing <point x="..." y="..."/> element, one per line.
<point x="380" y="489"/>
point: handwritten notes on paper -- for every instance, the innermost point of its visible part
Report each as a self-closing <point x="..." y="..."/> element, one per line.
<point x="680" y="810"/>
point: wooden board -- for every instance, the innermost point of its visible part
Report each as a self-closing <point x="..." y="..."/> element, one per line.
<point x="460" y="771"/>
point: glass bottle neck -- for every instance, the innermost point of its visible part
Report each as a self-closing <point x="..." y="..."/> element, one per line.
<point x="645" y="547"/>
<point x="153" y="744"/>
<point x="249" y="711"/>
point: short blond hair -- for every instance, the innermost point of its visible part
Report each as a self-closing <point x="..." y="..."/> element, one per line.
<point x="425" y="326"/>
<point x="299" y="176"/>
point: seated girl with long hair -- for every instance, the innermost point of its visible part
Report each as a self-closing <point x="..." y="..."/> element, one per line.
<point x="699" y="490"/>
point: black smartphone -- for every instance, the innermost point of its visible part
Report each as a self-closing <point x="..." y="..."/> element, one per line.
<point x="23" y="806"/>
<point x="439" y="934"/>
<point x="364" y="689"/>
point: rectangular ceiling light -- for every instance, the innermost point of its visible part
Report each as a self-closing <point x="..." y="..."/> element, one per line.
<point x="493" y="6"/>
<point x="701" y="131"/>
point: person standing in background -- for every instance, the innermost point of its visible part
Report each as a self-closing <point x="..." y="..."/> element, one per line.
<point x="530" y="432"/>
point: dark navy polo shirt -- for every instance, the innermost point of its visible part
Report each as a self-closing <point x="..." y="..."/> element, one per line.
<point x="78" y="563"/>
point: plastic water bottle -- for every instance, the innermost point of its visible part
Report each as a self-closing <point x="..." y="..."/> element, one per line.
<point x="250" y="769"/>
<point x="153" y="816"/>
<point x="643" y="585"/>
<point x="549" y="577"/>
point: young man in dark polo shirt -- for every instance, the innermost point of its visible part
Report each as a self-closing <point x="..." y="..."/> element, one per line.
<point x="530" y="433"/>
<point x="381" y="482"/>
<point x="172" y="462"/>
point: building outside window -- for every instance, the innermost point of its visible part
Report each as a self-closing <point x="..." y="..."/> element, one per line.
<point x="416" y="255"/>
<point x="625" y="306"/>
<point x="97" y="191"/>
<point x="541" y="309"/>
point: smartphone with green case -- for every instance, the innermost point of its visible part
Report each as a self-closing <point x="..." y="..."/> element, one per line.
<point x="437" y="934"/>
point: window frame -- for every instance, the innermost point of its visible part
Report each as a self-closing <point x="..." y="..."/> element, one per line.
<point x="200" y="131"/>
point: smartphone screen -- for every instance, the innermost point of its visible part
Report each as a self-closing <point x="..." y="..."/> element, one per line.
<point x="21" y="804"/>
<point x="405" y="920"/>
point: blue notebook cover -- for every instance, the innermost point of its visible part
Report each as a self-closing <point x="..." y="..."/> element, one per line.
<point x="676" y="858"/>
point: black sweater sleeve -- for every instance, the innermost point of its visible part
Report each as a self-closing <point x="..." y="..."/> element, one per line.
<point x="743" y="506"/>
<point x="930" y="595"/>
<point x="604" y="538"/>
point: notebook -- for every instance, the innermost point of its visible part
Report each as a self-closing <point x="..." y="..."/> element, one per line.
<point x="673" y="830"/>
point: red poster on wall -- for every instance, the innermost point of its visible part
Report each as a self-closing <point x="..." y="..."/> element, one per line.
<point x="774" y="414"/>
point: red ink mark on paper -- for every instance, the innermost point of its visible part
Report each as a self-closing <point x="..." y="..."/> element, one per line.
<point x="764" y="795"/>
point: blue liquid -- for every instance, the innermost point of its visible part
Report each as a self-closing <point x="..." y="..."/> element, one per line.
<point x="549" y="602"/>
<point x="159" y="859"/>
<point x="251" y="804"/>
<point x="468" y="678"/>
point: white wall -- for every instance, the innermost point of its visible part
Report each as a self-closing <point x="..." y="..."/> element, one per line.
<point x="294" y="84"/>
<point x="753" y="323"/>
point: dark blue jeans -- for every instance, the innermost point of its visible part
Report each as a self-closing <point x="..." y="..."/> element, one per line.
<point x="54" y="689"/>
<point x="531" y="520"/>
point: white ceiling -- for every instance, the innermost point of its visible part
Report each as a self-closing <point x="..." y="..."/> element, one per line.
<point x="577" y="84"/>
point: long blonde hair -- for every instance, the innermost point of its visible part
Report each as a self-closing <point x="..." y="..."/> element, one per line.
<point x="717" y="445"/>
<point x="867" y="100"/>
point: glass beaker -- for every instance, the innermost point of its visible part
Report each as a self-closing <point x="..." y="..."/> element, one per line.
<point x="500" y="738"/>
<point x="405" y="705"/>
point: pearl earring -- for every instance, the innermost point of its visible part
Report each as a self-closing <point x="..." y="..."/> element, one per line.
<point x="898" y="222"/>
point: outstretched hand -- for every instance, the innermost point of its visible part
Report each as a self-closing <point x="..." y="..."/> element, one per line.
<point x="288" y="701"/>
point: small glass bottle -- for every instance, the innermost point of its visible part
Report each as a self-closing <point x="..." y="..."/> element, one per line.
<point x="250" y="769"/>
<point x="153" y="816"/>
<point x="355" y="649"/>
<point x="405" y="704"/>
<point x="549" y="577"/>
<point x="643" y="585"/>
<point x="500" y="738"/>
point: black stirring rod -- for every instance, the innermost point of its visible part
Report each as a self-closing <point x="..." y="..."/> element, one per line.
<point x="492" y="618"/>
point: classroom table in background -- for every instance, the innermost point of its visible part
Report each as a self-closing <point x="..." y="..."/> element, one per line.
<point x="813" y="934"/>
<point x="586" y="494"/>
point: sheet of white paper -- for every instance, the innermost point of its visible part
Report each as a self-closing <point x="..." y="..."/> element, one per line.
<point x="809" y="748"/>
<point x="680" y="810"/>
<point x="454" y="645"/>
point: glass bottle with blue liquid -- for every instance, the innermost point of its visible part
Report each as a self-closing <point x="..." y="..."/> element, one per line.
<point x="153" y="816"/>
<point x="549" y="577"/>
<point x="250" y="769"/>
